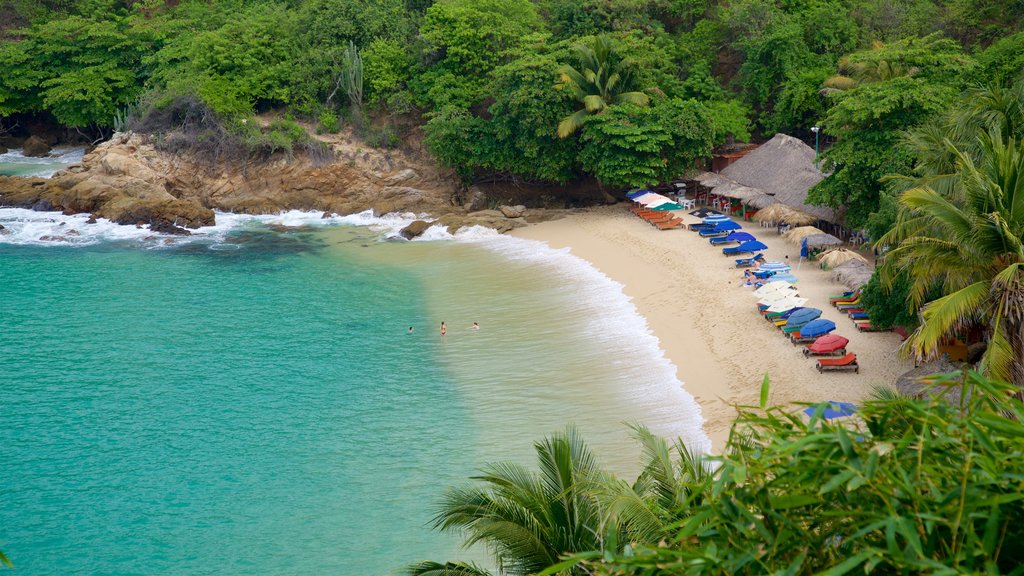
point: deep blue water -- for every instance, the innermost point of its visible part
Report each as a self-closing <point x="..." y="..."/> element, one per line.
<point x="198" y="411"/>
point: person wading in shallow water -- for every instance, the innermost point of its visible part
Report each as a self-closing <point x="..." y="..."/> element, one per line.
<point x="444" y="329"/>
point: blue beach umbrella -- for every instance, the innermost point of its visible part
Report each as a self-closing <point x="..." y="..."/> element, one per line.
<point x="803" y="316"/>
<point x="741" y="237"/>
<point x="751" y="246"/>
<point x="776" y="266"/>
<point x="637" y="194"/>
<point x="726" y="226"/>
<point x="831" y="410"/>
<point x="816" y="328"/>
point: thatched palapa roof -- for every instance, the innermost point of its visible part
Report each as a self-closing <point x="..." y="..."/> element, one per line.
<point x="853" y="273"/>
<point x="782" y="167"/>
<point x="915" y="383"/>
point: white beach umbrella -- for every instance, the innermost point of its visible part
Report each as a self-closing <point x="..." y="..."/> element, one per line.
<point x="647" y="197"/>
<point x="655" y="200"/>
<point x="774" y="286"/>
<point x="787" y="304"/>
<point x="659" y="202"/>
<point x="773" y="297"/>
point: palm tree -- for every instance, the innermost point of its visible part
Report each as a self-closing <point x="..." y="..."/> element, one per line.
<point x="969" y="244"/>
<point x="528" y="519"/>
<point x="602" y="80"/>
<point x="665" y="492"/>
<point x="854" y="73"/>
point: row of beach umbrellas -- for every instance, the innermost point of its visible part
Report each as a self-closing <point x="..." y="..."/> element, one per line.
<point x="653" y="200"/>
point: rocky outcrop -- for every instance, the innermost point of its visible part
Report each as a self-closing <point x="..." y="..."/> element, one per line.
<point x="129" y="181"/>
<point x="415" y="229"/>
<point x="35" y="146"/>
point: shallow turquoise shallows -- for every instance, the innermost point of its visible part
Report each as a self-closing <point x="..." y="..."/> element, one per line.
<point x="255" y="403"/>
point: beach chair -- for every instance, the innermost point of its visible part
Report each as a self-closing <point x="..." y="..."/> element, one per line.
<point x="712" y="233"/>
<point x="866" y="326"/>
<point x="797" y="338"/>
<point x="859" y="316"/>
<point x="657" y="217"/>
<point x="699" y="226"/>
<point x="845" y="299"/>
<point x="722" y="241"/>
<point x="848" y="305"/>
<point x="749" y="262"/>
<point x="669" y="225"/>
<point x="847" y="362"/>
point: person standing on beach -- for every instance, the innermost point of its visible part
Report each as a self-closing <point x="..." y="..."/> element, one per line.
<point x="444" y="328"/>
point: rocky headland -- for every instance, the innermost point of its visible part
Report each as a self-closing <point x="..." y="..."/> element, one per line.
<point x="129" y="181"/>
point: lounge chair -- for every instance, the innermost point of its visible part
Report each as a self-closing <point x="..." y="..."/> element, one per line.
<point x="866" y="326"/>
<point x="849" y="295"/>
<point x="797" y="338"/>
<point x="848" y="362"/>
<point x="657" y="217"/>
<point x="712" y="233"/>
<point x="735" y="250"/>
<point x="699" y="226"/>
<point x="849" y="305"/>
<point x="859" y="316"/>
<point x="669" y="225"/>
<point x="749" y="262"/>
<point x="855" y="299"/>
<point x="722" y="241"/>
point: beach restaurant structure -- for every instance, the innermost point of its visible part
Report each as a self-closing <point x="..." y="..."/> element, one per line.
<point x="779" y="171"/>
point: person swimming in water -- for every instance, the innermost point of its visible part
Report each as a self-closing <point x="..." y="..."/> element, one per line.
<point x="444" y="328"/>
<point x="475" y="326"/>
<point x="410" y="329"/>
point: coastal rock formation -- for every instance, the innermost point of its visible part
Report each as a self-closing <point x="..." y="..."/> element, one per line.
<point x="35" y="146"/>
<point x="415" y="229"/>
<point x="128" y="180"/>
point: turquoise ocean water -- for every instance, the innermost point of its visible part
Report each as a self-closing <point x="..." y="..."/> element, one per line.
<point x="250" y="400"/>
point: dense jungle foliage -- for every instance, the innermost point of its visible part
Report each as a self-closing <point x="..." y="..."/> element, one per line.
<point x="631" y="92"/>
<point x="926" y="485"/>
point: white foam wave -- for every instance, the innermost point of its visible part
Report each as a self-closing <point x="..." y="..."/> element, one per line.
<point x="615" y="324"/>
<point x="22" y="226"/>
<point x="16" y="163"/>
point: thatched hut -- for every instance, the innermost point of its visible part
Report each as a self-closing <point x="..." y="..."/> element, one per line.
<point x="822" y="241"/>
<point x="853" y="274"/>
<point x="782" y="167"/>
<point x="772" y="213"/>
<point x="796" y="235"/>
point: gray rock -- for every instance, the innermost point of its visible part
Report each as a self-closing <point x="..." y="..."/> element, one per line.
<point x="35" y="146"/>
<point x="415" y="229"/>
<point x="475" y="200"/>
<point x="513" y="211"/>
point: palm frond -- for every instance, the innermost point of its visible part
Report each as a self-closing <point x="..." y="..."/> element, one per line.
<point x="945" y="316"/>
<point x="637" y="98"/>
<point x="572" y="123"/>
<point x="429" y="568"/>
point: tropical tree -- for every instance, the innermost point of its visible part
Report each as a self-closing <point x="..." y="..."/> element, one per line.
<point x="602" y="80"/>
<point x="529" y="520"/>
<point x="970" y="245"/>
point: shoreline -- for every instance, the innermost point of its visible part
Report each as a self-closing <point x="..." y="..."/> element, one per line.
<point x="706" y="323"/>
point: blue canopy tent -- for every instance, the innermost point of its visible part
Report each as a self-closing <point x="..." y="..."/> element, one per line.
<point x="816" y="328"/>
<point x="831" y="410"/>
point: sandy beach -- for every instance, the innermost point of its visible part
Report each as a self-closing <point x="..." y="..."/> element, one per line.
<point x="707" y="323"/>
